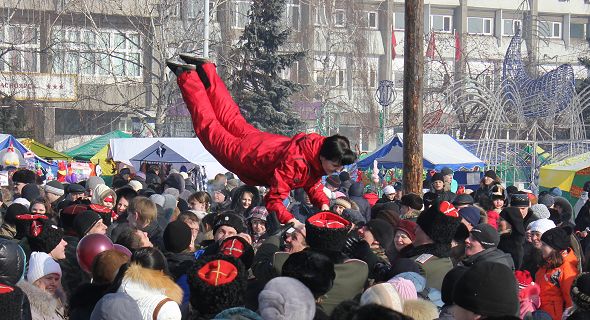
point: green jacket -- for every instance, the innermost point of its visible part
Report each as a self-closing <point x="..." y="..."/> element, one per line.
<point x="433" y="268"/>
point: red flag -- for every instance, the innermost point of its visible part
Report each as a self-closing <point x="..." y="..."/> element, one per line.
<point x="457" y="47"/>
<point x="393" y="44"/>
<point x="431" y="47"/>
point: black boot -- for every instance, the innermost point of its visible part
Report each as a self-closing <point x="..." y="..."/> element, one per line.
<point x="198" y="63"/>
<point x="179" y="68"/>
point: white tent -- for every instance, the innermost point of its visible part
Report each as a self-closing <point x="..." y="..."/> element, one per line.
<point x="191" y="149"/>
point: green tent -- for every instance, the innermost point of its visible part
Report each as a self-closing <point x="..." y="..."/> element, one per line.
<point x="87" y="150"/>
<point x="44" y="151"/>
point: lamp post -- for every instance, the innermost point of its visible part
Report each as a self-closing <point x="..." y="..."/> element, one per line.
<point x="385" y="96"/>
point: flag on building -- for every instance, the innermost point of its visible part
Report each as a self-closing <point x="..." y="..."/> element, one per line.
<point x="431" y="47"/>
<point x="457" y="47"/>
<point x="393" y="44"/>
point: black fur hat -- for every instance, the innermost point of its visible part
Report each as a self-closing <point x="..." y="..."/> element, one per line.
<point x="313" y="269"/>
<point x="440" y="222"/>
<point x="413" y="201"/>
<point x="216" y="283"/>
<point x="238" y="247"/>
<point x="24" y="176"/>
<point x="44" y="236"/>
<point x="580" y="291"/>
<point x="326" y="231"/>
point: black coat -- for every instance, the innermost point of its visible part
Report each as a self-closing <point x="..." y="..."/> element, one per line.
<point x="355" y="193"/>
<point x="84" y="299"/>
<point x="179" y="263"/>
<point x="583" y="218"/>
<point x="72" y="274"/>
<point x="513" y="242"/>
<point x="492" y="255"/>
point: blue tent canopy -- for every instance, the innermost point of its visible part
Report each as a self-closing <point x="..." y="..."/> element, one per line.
<point x="6" y="140"/>
<point x="158" y="153"/>
<point x="440" y="150"/>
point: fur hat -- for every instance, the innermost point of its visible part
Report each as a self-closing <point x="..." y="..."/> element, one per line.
<point x="519" y="200"/>
<point x="486" y="235"/>
<point x="491" y="174"/>
<point x="106" y="266"/>
<point x="440" y="222"/>
<point x="313" y="269"/>
<point x="471" y="214"/>
<point x="30" y="192"/>
<point x="412" y="201"/>
<point x="557" y="238"/>
<point x="488" y="289"/>
<point x="437" y="177"/>
<point x="580" y="291"/>
<point x="382" y="232"/>
<point x="342" y="202"/>
<point x="44" y="236"/>
<point x="177" y="236"/>
<point x="54" y="187"/>
<point x="419" y="309"/>
<point x="286" y="298"/>
<point x="383" y="294"/>
<point x="216" y="283"/>
<point x="463" y="199"/>
<point x="84" y="221"/>
<point x="239" y="248"/>
<point x="40" y="265"/>
<point x="326" y="231"/>
<point x="230" y="220"/>
<point x="24" y="176"/>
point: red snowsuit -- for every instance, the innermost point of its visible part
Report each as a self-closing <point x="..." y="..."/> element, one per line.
<point x="258" y="158"/>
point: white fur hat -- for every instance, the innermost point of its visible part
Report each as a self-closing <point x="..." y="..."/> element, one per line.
<point x="40" y="265"/>
<point x="420" y="309"/>
<point x="384" y="295"/>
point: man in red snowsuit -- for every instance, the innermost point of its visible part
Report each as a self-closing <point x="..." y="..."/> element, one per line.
<point x="258" y="158"/>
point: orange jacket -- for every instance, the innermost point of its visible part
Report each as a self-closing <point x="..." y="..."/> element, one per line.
<point x="555" y="285"/>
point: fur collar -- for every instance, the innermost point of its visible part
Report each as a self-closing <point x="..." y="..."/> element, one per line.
<point x="154" y="280"/>
<point x="43" y="302"/>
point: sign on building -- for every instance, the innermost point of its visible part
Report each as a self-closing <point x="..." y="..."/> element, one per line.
<point x="39" y="86"/>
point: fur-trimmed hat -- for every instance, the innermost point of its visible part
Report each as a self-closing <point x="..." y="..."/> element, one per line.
<point x="413" y="201"/>
<point x="44" y="236"/>
<point x="239" y="248"/>
<point x="24" y="176"/>
<point x="342" y="202"/>
<point x="230" y="220"/>
<point x="440" y="222"/>
<point x="326" y="231"/>
<point x="216" y="283"/>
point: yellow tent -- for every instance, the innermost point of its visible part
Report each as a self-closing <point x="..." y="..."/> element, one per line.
<point x="44" y="151"/>
<point x="109" y="168"/>
<point x="569" y="175"/>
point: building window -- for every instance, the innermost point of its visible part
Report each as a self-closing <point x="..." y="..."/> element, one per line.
<point x="330" y="71"/>
<point x="291" y="14"/>
<point x="578" y="31"/>
<point x="86" y="52"/>
<point x="510" y="26"/>
<point x="339" y="18"/>
<point x="550" y="29"/>
<point x="399" y="22"/>
<point x="320" y="15"/>
<point x="21" y="45"/>
<point x="441" y="23"/>
<point x="240" y="16"/>
<point x="372" y="20"/>
<point x="372" y="80"/>
<point x="191" y="9"/>
<point x="477" y="25"/>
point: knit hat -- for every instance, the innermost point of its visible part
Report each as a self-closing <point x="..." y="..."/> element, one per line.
<point x="383" y="294"/>
<point x="342" y="202"/>
<point x="382" y="232"/>
<point x="463" y="199"/>
<point x="490" y="174"/>
<point x="540" y="211"/>
<point x="388" y="189"/>
<point x="407" y="226"/>
<point x="44" y="236"/>
<point x="546" y="198"/>
<point x="158" y="199"/>
<point x="239" y="248"/>
<point x="486" y="235"/>
<point x="413" y="201"/>
<point x="84" y="221"/>
<point x="440" y="222"/>
<point x="286" y="298"/>
<point x="230" y="220"/>
<point x="580" y="291"/>
<point x="14" y="210"/>
<point x="520" y="200"/>
<point x="54" y="187"/>
<point x="177" y="236"/>
<point x="40" y="265"/>
<point x="488" y="289"/>
<point x="24" y="176"/>
<point x="557" y="238"/>
<point x="175" y="180"/>
<point x="437" y="177"/>
<point x="470" y="214"/>
<point x="418" y="280"/>
<point x="541" y="226"/>
<point x="333" y="180"/>
<point x="106" y="266"/>
<point x="404" y="287"/>
<point x="259" y="212"/>
<point x="30" y="192"/>
<point x="93" y="181"/>
<point x="216" y="283"/>
<point x="315" y="270"/>
<point x="171" y="192"/>
<point x="116" y="306"/>
<point x="326" y="231"/>
<point x="420" y="309"/>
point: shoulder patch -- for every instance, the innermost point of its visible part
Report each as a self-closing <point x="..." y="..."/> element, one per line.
<point x="423" y="258"/>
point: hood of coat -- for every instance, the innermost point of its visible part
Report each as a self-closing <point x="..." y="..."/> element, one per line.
<point x="148" y="281"/>
<point x="236" y="197"/>
<point x="41" y="301"/>
<point x="356" y="190"/>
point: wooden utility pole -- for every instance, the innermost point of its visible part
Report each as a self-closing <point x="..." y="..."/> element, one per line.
<point x="413" y="95"/>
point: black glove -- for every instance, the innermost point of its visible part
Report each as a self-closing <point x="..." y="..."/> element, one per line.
<point x="352" y="240"/>
<point x="362" y="251"/>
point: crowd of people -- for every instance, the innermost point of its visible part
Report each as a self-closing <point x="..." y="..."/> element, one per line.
<point x="152" y="247"/>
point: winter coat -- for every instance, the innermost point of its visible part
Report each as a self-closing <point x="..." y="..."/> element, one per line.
<point x="529" y="299"/>
<point x="7" y="231"/>
<point x="236" y="200"/>
<point x="371" y="197"/>
<point x="493" y="217"/>
<point x="434" y="262"/>
<point x="583" y="217"/>
<point x="302" y="211"/>
<point x="442" y="195"/>
<point x="555" y="285"/>
<point x="72" y="275"/>
<point x="44" y="305"/>
<point x="149" y="288"/>
<point x="355" y="193"/>
<point x="84" y="299"/>
<point x="483" y="191"/>
<point x="513" y="242"/>
<point x="155" y="234"/>
<point x="492" y="255"/>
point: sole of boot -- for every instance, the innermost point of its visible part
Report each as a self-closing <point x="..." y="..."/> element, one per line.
<point x="179" y="68"/>
<point x="194" y="60"/>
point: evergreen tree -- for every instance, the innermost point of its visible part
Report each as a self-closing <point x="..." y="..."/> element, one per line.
<point x="256" y="86"/>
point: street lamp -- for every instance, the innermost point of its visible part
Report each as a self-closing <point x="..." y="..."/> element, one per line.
<point x="385" y="96"/>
